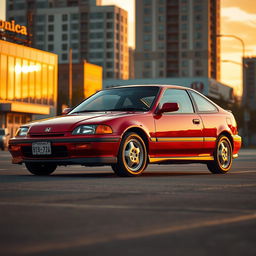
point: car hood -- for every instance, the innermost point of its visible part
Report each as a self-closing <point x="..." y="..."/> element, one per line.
<point x="69" y="122"/>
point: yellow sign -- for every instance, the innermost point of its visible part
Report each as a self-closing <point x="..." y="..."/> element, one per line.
<point x="13" y="27"/>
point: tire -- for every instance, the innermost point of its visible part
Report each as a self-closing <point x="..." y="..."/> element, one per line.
<point x="223" y="156"/>
<point x="132" y="157"/>
<point x="41" y="169"/>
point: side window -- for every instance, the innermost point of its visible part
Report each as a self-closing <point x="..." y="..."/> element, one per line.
<point x="179" y="96"/>
<point x="203" y="104"/>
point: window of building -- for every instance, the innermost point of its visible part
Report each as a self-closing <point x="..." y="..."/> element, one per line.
<point x="184" y="55"/>
<point x="203" y="104"/>
<point x="147" y="10"/>
<point x="50" y="18"/>
<point x="74" y="26"/>
<point x="199" y="73"/>
<point x="40" y="18"/>
<point x="184" y="63"/>
<point x="184" y="17"/>
<point x="96" y="15"/>
<point x="161" y="18"/>
<point x="110" y="35"/>
<point x="64" y="17"/>
<point x="147" y="64"/>
<point x="40" y="37"/>
<point x="64" y="27"/>
<point x="64" y="56"/>
<point x="64" y="47"/>
<point x="184" y="45"/>
<point x="198" y="45"/>
<point x="109" y="64"/>
<point x="161" y="10"/>
<point x="110" y="15"/>
<point x="50" y="28"/>
<point x="74" y="46"/>
<point x="184" y="26"/>
<point x="50" y="47"/>
<point x="147" y="28"/>
<point x="109" y="74"/>
<point x="109" y="25"/>
<point x="74" y="16"/>
<point x="64" y="37"/>
<point x="146" y="2"/>
<point x="198" y="26"/>
<point x="109" y="45"/>
<point x="109" y="55"/>
<point x="50" y="37"/>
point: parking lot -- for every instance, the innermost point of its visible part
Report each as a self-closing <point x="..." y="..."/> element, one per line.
<point x="169" y="210"/>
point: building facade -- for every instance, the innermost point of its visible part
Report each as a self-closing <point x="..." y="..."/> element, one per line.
<point x="249" y="82"/>
<point x="96" y="33"/>
<point x="28" y="85"/>
<point x="86" y="80"/>
<point x="177" y="38"/>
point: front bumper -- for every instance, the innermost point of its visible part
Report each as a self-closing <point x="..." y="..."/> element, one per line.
<point x="95" y="150"/>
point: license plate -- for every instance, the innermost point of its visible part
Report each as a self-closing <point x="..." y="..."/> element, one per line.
<point x="41" y="148"/>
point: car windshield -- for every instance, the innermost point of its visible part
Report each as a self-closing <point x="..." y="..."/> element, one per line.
<point x="120" y="99"/>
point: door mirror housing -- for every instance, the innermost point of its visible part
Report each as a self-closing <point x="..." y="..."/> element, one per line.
<point x="168" y="107"/>
<point x="65" y="111"/>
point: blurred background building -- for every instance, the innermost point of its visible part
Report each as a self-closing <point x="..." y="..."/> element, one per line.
<point x="28" y="85"/>
<point x="177" y="38"/>
<point x="249" y="82"/>
<point x="97" y="34"/>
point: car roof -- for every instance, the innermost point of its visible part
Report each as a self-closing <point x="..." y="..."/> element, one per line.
<point x="151" y="85"/>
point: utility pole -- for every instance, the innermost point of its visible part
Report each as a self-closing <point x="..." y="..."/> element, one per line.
<point x="70" y="79"/>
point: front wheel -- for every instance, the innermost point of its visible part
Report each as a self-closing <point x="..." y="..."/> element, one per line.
<point x="41" y="169"/>
<point x="132" y="156"/>
<point x="222" y="156"/>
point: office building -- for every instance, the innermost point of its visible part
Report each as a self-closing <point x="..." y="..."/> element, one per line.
<point x="96" y="33"/>
<point x="177" y="38"/>
<point x="249" y="83"/>
<point x="28" y="85"/>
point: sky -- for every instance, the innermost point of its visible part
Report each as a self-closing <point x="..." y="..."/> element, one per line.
<point x="238" y="17"/>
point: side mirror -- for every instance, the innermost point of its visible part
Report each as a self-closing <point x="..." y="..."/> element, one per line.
<point x="168" y="107"/>
<point x="66" y="111"/>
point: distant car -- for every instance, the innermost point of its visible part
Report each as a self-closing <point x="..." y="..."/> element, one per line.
<point x="4" y="138"/>
<point x="128" y="128"/>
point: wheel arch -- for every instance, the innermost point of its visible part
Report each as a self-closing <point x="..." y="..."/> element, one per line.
<point x="140" y="131"/>
<point x="229" y="136"/>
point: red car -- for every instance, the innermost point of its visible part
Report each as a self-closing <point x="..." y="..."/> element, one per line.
<point x="129" y="127"/>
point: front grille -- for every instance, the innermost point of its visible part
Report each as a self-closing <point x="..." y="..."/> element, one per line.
<point x="46" y="135"/>
<point x="57" y="151"/>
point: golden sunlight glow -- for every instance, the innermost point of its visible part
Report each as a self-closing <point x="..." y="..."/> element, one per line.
<point x="26" y="68"/>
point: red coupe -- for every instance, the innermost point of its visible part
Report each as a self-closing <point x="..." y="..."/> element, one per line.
<point x="129" y="127"/>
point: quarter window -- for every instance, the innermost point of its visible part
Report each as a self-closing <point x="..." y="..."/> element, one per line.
<point x="178" y="96"/>
<point x="203" y="104"/>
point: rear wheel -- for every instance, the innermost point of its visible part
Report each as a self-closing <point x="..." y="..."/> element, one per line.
<point x="132" y="156"/>
<point x="41" y="169"/>
<point x="222" y="156"/>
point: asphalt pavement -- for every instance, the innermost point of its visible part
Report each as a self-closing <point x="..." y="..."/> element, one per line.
<point x="169" y="210"/>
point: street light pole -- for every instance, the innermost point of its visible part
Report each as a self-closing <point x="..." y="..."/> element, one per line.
<point x="246" y="111"/>
<point x="70" y="85"/>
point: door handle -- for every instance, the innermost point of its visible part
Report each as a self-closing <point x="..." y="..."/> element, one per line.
<point x="196" y="121"/>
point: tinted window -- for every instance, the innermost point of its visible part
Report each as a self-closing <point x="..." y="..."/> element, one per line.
<point x="178" y="96"/>
<point x="203" y="104"/>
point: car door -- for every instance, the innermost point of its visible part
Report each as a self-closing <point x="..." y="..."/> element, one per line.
<point x="178" y="133"/>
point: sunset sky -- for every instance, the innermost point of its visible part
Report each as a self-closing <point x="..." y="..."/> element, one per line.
<point x="238" y="17"/>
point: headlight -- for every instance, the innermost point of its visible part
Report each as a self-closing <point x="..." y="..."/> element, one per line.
<point x="92" y="129"/>
<point x="22" y="132"/>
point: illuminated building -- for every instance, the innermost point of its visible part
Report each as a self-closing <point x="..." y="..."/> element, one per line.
<point x="96" y="33"/>
<point x="87" y="80"/>
<point x="177" y="38"/>
<point x="28" y="85"/>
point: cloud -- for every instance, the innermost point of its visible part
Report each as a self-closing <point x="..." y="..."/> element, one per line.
<point x="236" y="14"/>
